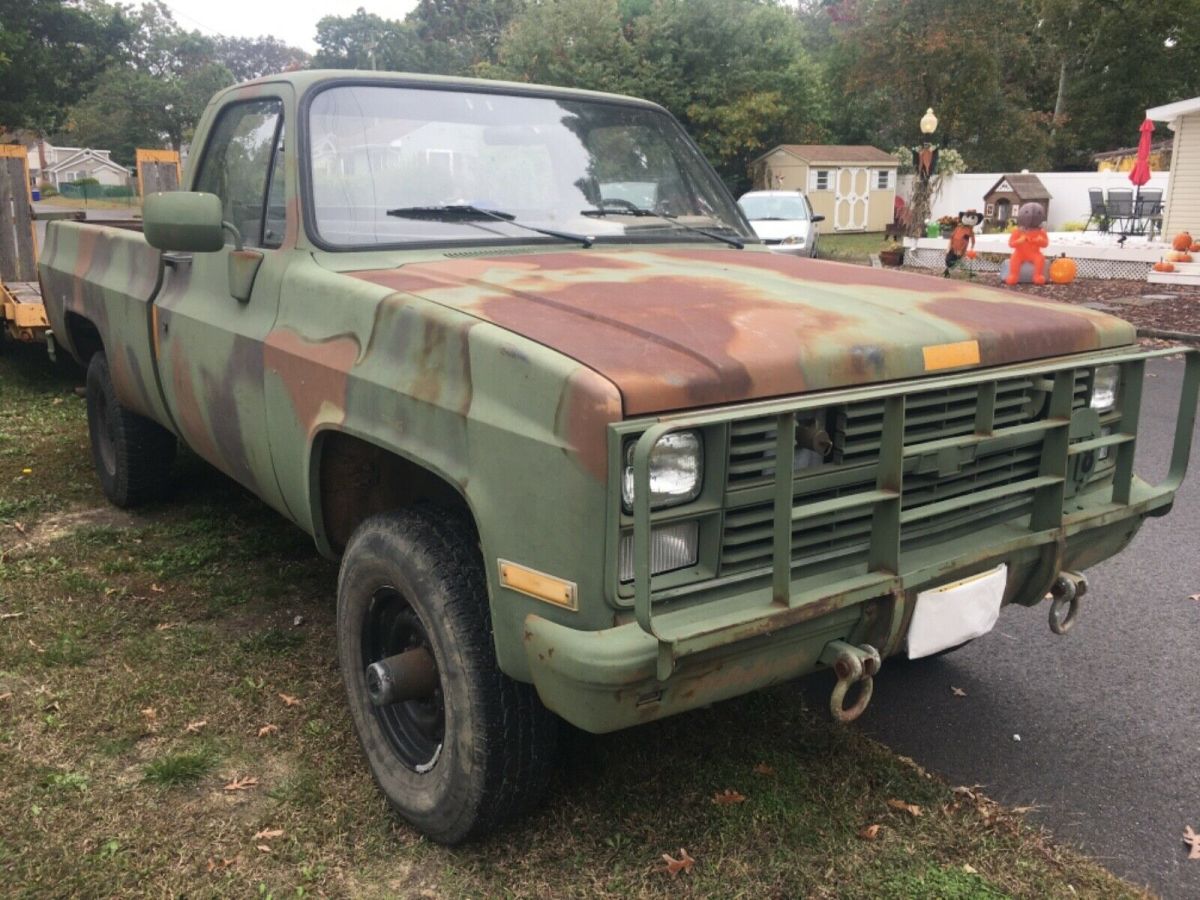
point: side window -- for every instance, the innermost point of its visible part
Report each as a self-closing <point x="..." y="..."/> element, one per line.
<point x="821" y="179"/>
<point x="275" y="215"/>
<point x="237" y="166"/>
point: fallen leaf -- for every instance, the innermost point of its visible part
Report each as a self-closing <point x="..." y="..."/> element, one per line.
<point x="289" y="700"/>
<point x="970" y="869"/>
<point x="869" y="833"/>
<point x="241" y="784"/>
<point x="164" y="626"/>
<point x="6" y="616"/>
<point x="957" y="691"/>
<point x="1192" y="840"/>
<point x="764" y="769"/>
<point x="264" y="848"/>
<point x="268" y="729"/>
<point x="267" y="833"/>
<point x="157" y="589"/>
<point x="27" y="471"/>
<point x="1195" y="597"/>
<point x="150" y="714"/>
<point x="1021" y="810"/>
<point x="683" y="864"/>
<point x="194" y="727"/>
<point x="727" y="797"/>
<point x="7" y="695"/>
<point x="911" y="808"/>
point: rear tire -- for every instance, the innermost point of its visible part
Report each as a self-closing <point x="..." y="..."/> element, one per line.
<point x="479" y="750"/>
<point x="132" y="454"/>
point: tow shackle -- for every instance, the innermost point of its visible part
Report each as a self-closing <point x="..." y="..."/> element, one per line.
<point x="1066" y="592"/>
<point x="852" y="665"/>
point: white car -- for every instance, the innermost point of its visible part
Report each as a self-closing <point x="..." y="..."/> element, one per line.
<point x="783" y="220"/>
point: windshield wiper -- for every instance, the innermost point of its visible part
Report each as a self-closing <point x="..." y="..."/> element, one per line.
<point x="464" y="212"/>
<point x="629" y="209"/>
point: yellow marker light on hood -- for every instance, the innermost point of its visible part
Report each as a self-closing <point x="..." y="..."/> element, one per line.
<point x="951" y="356"/>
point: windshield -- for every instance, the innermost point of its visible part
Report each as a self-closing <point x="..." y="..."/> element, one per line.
<point x="764" y="206"/>
<point x="572" y="165"/>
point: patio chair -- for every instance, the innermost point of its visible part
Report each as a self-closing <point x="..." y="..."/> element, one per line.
<point x="1118" y="207"/>
<point x="1149" y="211"/>
<point x="1099" y="214"/>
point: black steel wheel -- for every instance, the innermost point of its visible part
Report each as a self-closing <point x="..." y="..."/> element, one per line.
<point x="415" y="728"/>
<point x="456" y="746"/>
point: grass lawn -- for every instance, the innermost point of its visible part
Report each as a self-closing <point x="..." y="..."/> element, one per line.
<point x="172" y="722"/>
<point x="848" y="247"/>
<point x="92" y="203"/>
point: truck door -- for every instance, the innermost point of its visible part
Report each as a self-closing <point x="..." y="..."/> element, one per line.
<point x="209" y="342"/>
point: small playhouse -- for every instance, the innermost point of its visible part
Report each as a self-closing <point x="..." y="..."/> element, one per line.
<point x="1006" y="196"/>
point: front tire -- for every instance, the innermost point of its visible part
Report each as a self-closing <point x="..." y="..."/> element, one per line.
<point x="477" y="749"/>
<point x="132" y="454"/>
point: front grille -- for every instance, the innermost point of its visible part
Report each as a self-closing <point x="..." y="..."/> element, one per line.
<point x="833" y="539"/>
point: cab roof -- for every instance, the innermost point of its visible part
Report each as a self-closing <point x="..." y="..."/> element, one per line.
<point x="305" y="79"/>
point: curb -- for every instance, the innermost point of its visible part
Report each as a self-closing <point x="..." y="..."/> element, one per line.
<point x="1169" y="335"/>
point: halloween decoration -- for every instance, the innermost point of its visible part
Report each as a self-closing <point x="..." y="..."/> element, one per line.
<point x="1024" y="273"/>
<point x="1163" y="266"/>
<point x="1178" y="256"/>
<point x="1027" y="243"/>
<point x="1063" y="270"/>
<point x="962" y="239"/>
<point x="1182" y="241"/>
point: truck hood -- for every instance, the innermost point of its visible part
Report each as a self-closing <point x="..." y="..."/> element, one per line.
<point x="681" y="328"/>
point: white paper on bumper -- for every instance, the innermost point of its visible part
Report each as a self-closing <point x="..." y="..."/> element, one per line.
<point x="949" y="615"/>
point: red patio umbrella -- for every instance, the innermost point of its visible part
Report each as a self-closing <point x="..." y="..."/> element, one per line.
<point x="1140" y="173"/>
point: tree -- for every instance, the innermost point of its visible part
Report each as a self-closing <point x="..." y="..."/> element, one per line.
<point x="571" y="43"/>
<point x="974" y="63"/>
<point x="367" y="41"/>
<point x="461" y="35"/>
<point x="1113" y="60"/>
<point x="735" y="72"/>
<point x="156" y="94"/>
<point x="248" y="58"/>
<point x="51" y="52"/>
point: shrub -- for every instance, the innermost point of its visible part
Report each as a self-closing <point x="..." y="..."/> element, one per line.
<point x="1072" y="226"/>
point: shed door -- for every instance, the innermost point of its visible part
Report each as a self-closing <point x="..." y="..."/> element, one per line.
<point x="850" y="200"/>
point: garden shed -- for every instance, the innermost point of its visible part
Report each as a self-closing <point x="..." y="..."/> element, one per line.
<point x="852" y="186"/>
<point x="1182" y="211"/>
<point x="1006" y="196"/>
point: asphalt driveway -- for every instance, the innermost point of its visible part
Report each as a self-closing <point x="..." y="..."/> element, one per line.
<point x="1108" y="716"/>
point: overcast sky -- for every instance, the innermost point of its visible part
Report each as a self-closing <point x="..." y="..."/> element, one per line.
<point x="292" y="21"/>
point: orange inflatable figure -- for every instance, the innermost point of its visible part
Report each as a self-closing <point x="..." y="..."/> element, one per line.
<point x="1027" y="243"/>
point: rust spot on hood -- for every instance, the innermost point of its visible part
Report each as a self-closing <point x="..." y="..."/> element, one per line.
<point x="683" y="328"/>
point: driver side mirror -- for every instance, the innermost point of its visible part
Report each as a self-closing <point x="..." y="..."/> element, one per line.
<point x="185" y="221"/>
<point x="818" y="218"/>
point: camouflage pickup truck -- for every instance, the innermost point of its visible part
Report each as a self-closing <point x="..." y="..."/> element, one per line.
<point x="514" y="356"/>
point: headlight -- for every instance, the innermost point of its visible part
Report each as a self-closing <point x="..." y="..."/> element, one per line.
<point x="1104" y="387"/>
<point x="676" y="470"/>
<point x="795" y="240"/>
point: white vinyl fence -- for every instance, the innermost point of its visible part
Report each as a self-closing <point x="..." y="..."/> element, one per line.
<point x="1068" y="192"/>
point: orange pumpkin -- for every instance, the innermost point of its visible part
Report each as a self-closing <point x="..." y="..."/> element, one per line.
<point x="1181" y="256"/>
<point x="1183" y="241"/>
<point x="1162" y="266"/>
<point x="971" y="254"/>
<point x="1063" y="270"/>
<point x="1195" y="248"/>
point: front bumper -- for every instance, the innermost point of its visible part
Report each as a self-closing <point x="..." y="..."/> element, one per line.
<point x="666" y="658"/>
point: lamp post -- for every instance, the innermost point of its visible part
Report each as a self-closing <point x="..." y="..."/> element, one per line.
<point x="925" y="164"/>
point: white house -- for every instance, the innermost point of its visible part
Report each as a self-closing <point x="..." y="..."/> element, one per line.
<point x="1182" y="211"/>
<point x="63" y="165"/>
